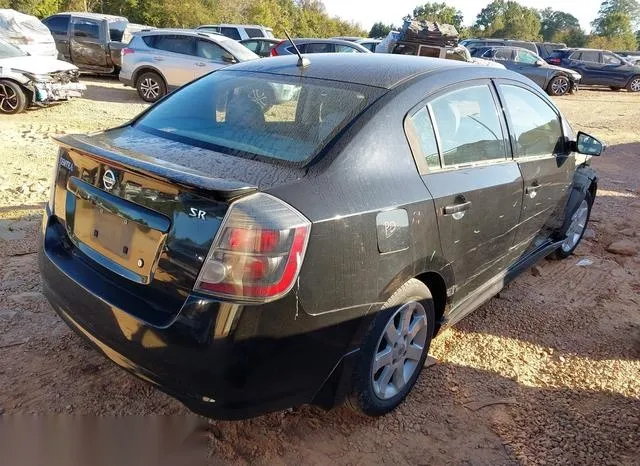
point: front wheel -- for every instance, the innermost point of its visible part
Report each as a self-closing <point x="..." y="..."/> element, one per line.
<point x="12" y="97"/>
<point x="150" y="86"/>
<point x="577" y="227"/>
<point x="394" y="351"/>
<point x="634" y="84"/>
<point x="560" y="85"/>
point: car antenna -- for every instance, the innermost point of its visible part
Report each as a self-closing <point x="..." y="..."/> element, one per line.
<point x="303" y="62"/>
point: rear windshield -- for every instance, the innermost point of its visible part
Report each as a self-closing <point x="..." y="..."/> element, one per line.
<point x="271" y="117"/>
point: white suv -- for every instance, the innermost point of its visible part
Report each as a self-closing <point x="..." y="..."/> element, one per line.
<point x="238" y="31"/>
<point x="161" y="60"/>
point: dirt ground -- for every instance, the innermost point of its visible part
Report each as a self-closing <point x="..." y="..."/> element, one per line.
<point x="547" y="372"/>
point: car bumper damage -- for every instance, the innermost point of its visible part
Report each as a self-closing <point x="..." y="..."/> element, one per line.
<point x="55" y="87"/>
<point x="215" y="357"/>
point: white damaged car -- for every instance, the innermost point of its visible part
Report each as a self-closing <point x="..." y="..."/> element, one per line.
<point x="27" y="80"/>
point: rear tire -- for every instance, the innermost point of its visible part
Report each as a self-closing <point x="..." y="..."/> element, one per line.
<point x="394" y="351"/>
<point x="577" y="227"/>
<point x="151" y="86"/>
<point x="559" y="85"/>
<point x="12" y="98"/>
<point x="634" y="84"/>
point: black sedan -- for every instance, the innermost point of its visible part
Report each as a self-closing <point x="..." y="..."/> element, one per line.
<point x="553" y="79"/>
<point x="247" y="259"/>
<point x="599" y="68"/>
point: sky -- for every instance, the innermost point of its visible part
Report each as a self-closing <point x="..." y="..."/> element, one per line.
<point x="367" y="12"/>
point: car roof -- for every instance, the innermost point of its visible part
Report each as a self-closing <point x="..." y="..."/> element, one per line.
<point x="88" y="15"/>
<point x="227" y="25"/>
<point x="492" y="39"/>
<point x="187" y="32"/>
<point x="263" y="39"/>
<point x="304" y="40"/>
<point x="514" y="47"/>
<point x="372" y="69"/>
<point x="582" y="49"/>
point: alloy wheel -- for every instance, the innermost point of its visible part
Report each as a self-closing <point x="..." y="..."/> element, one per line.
<point x="635" y="85"/>
<point x="150" y="89"/>
<point x="399" y="350"/>
<point x="577" y="226"/>
<point x="9" y="99"/>
<point x="560" y="86"/>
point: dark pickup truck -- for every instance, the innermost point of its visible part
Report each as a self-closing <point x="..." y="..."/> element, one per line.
<point x="91" y="41"/>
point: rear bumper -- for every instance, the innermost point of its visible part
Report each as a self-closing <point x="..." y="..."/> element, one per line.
<point x="221" y="360"/>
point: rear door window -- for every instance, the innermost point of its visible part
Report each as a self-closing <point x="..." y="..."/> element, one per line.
<point x="468" y="126"/>
<point x="319" y="47"/>
<point x="526" y="57"/>
<point x="253" y="32"/>
<point x="426" y="137"/>
<point x="252" y="45"/>
<point x="535" y="125"/>
<point x="184" y="45"/>
<point x="86" y="28"/>
<point x="149" y="41"/>
<point x="503" y="54"/>
<point x="345" y="49"/>
<point x="254" y="115"/>
<point x="208" y="50"/>
<point x="231" y="33"/>
<point x="58" y="24"/>
<point x="301" y="47"/>
<point x="590" y="57"/>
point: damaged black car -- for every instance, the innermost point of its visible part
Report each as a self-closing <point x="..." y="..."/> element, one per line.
<point x="247" y="258"/>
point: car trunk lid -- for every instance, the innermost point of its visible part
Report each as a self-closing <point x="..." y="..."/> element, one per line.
<point x="144" y="212"/>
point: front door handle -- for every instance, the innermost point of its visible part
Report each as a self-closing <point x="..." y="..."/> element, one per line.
<point x="201" y="64"/>
<point x="457" y="208"/>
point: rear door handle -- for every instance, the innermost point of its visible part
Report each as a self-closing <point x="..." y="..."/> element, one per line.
<point x="456" y="208"/>
<point x="201" y="64"/>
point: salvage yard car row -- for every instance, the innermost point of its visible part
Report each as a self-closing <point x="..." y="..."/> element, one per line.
<point x="156" y="62"/>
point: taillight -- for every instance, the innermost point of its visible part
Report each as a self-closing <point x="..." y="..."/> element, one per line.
<point x="274" y="52"/>
<point x="258" y="251"/>
<point x="554" y="61"/>
<point x="127" y="51"/>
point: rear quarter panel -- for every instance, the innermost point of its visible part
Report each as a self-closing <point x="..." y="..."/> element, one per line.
<point x="369" y="169"/>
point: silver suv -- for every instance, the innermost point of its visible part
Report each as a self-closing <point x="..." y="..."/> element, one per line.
<point x="158" y="61"/>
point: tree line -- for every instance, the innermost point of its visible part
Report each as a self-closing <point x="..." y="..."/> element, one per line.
<point x="301" y="18"/>
<point x="613" y="28"/>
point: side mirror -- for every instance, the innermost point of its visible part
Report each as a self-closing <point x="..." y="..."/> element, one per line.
<point x="228" y="58"/>
<point x="588" y="145"/>
<point x="540" y="63"/>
